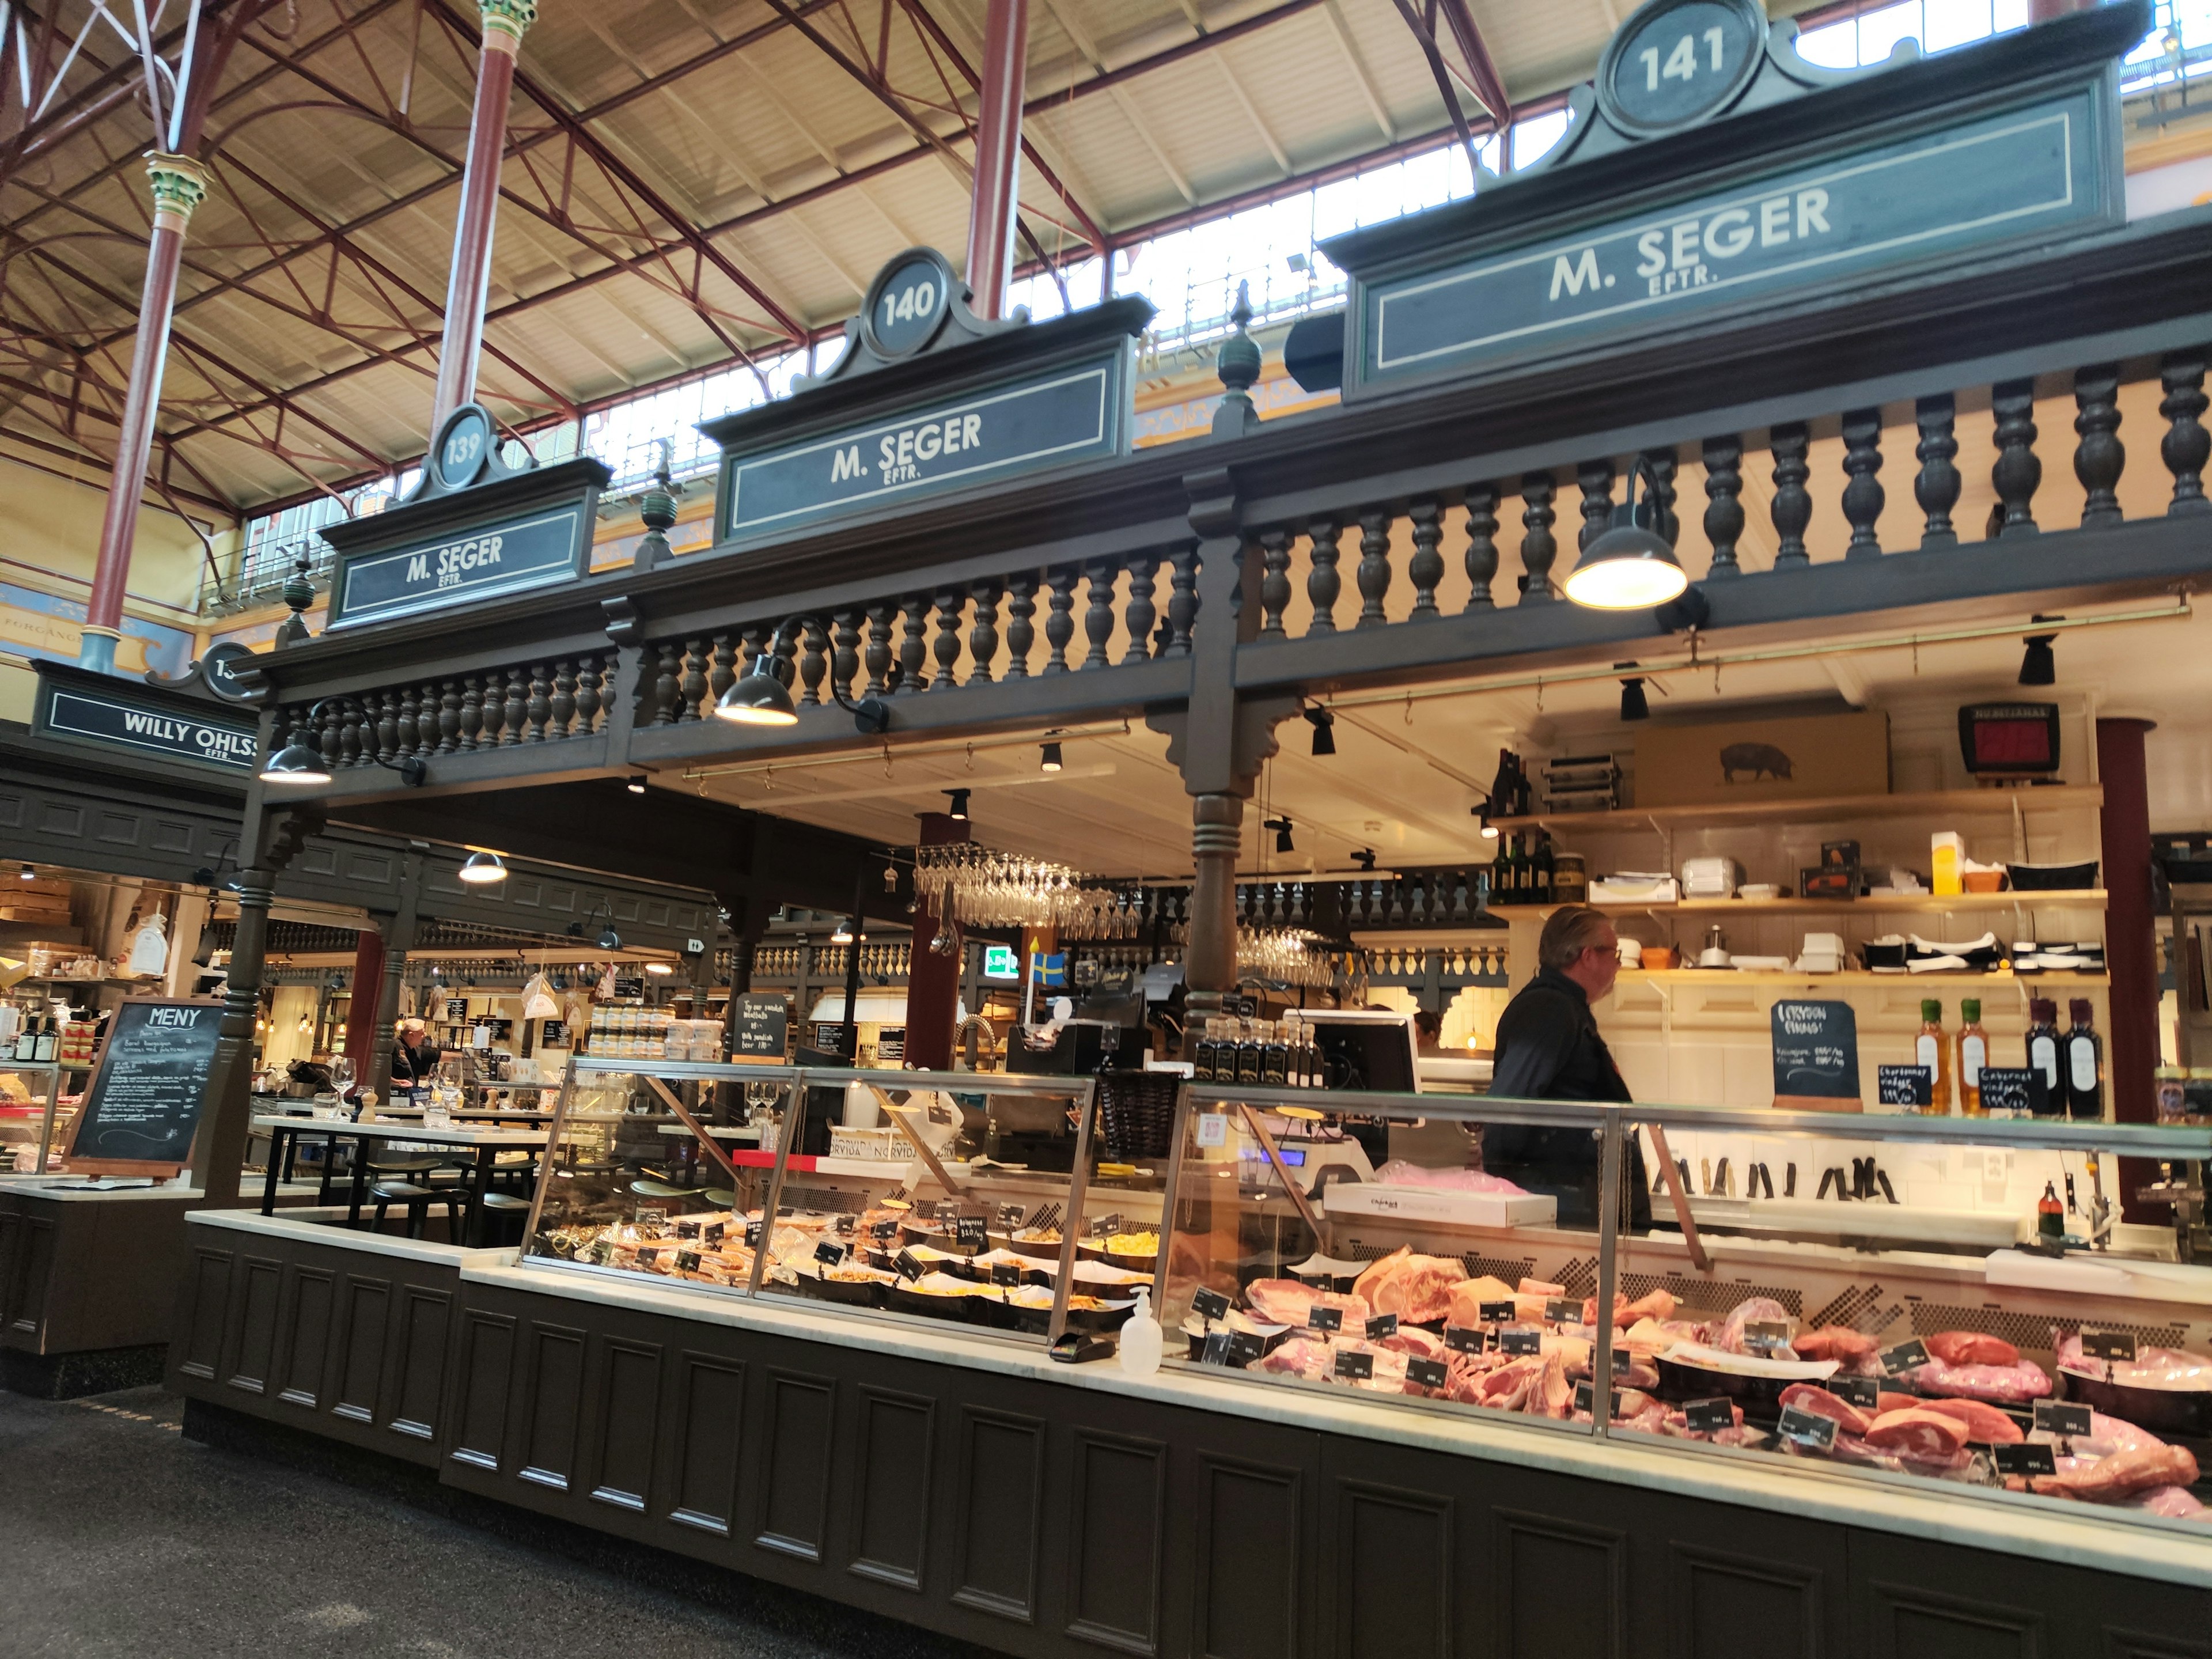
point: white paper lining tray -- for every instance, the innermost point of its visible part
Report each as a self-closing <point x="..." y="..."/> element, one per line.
<point x="1442" y="1204"/>
<point x="1861" y="1218"/>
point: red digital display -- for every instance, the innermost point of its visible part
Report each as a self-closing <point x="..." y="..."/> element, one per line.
<point x="2022" y="743"/>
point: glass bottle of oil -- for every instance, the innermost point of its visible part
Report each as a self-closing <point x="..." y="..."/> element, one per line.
<point x="1931" y="1051"/>
<point x="1973" y="1054"/>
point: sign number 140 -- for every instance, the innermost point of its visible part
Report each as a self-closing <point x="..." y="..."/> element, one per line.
<point x="1681" y="64"/>
<point x="915" y="299"/>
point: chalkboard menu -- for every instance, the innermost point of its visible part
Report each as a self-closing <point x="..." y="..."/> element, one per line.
<point x="763" y="1027"/>
<point x="1816" y="1056"/>
<point x="143" y="1106"/>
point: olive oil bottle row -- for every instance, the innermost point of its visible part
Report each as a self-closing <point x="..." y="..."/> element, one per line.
<point x="1264" y="1053"/>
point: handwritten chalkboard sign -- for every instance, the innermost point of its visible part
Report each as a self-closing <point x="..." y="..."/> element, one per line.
<point x="143" y="1106"/>
<point x="1816" y="1056"/>
<point x="763" y="1027"/>
<point x="2014" y="1091"/>
<point x="1912" y="1088"/>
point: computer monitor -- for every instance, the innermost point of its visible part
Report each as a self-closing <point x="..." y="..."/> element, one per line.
<point x="1366" y="1048"/>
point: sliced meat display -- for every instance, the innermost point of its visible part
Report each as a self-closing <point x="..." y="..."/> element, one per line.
<point x="2007" y="1385"/>
<point x="1818" y="1402"/>
<point x="1983" y="1423"/>
<point x="1972" y="1348"/>
<point x="1896" y="1402"/>
<point x="1919" y="1433"/>
<point x="2151" y="1367"/>
<point x="1847" y="1347"/>
<point x="2111" y="1480"/>
<point x="1416" y="1288"/>
<point x="1758" y="1309"/>
<point x="1289" y="1302"/>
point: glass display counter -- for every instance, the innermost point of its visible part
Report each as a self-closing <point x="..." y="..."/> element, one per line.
<point x="1495" y="1257"/>
<point x="979" y="1199"/>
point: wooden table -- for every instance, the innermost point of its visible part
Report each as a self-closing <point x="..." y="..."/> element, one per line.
<point x="486" y="1144"/>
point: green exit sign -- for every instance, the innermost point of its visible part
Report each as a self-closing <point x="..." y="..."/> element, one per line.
<point x="999" y="961"/>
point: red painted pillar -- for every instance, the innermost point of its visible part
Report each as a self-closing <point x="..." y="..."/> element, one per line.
<point x="2130" y="942"/>
<point x="933" y="982"/>
<point x="178" y="187"/>
<point x="468" y="285"/>
<point x="998" y="156"/>
<point x="361" y="1010"/>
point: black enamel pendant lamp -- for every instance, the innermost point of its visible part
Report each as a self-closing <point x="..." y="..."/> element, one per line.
<point x="1629" y="565"/>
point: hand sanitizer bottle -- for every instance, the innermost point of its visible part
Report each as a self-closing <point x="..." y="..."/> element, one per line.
<point x="1140" y="1339"/>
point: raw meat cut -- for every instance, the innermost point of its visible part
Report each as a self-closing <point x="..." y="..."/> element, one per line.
<point x="1400" y="1173"/>
<point x="1416" y="1288"/>
<point x="1984" y="1423"/>
<point x="1972" y="1348"/>
<point x="1551" y="1394"/>
<point x="2175" y="1503"/>
<point x="1852" y="1350"/>
<point x="1659" y="1304"/>
<point x="1539" y="1287"/>
<point x="1820" y="1403"/>
<point x="1289" y="1302"/>
<point x="2107" y="1435"/>
<point x="2110" y="1479"/>
<point x="1410" y="1340"/>
<point x="1917" y="1433"/>
<point x="1759" y="1307"/>
<point x="1298" y="1357"/>
<point x="2010" y="1385"/>
<point x="2151" y="1367"/>
<point x="1468" y="1296"/>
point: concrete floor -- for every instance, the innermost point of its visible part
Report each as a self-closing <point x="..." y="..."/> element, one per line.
<point x="121" y="1536"/>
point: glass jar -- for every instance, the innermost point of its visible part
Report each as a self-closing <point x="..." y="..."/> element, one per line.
<point x="2170" y="1085"/>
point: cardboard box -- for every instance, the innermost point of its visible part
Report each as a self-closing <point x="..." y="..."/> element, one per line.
<point x="1441" y="1204"/>
<point x="1793" y="758"/>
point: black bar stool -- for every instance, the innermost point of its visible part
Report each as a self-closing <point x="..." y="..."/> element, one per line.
<point x="417" y="1202"/>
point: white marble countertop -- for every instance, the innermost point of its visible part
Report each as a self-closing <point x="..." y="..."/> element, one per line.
<point x="327" y="1226"/>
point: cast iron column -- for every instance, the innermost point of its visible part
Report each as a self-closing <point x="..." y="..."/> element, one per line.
<point x="2130" y="944"/>
<point x="998" y="156"/>
<point x="178" y="187"/>
<point x="505" y="22"/>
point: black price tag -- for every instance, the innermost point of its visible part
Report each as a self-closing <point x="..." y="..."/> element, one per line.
<point x="1427" y="1373"/>
<point x="1861" y="1391"/>
<point x="1464" y="1338"/>
<point x="1709" y="1416"/>
<point x="1905" y="1356"/>
<point x="1585" y="1397"/>
<point x="882" y="1229"/>
<point x="1325" y="1319"/>
<point x="1763" y="1335"/>
<point x="687" y="1226"/>
<point x="2109" y="1344"/>
<point x="753" y="1235"/>
<point x="712" y="1231"/>
<point x="1244" y="1347"/>
<point x="968" y="1230"/>
<point x="829" y="1254"/>
<point x="1354" y="1367"/>
<point x="1497" y="1313"/>
<point x="2025" y="1459"/>
<point x="1622" y="1359"/>
<point x="1520" y="1342"/>
<point x="1106" y="1225"/>
<point x="1564" y="1311"/>
<point x="1216" y="1351"/>
<point x="848" y="1222"/>
<point x="1010" y="1216"/>
<point x="648" y="1254"/>
<point x="602" y="1252"/>
<point x="1209" y="1305"/>
<point x="687" y="1261"/>
<point x="945" y="1209"/>
<point x="908" y="1267"/>
<point x="1005" y="1273"/>
<point x="2072" y="1421"/>
<point x="1910" y="1086"/>
<point x="1380" y="1326"/>
<point x="1808" y="1429"/>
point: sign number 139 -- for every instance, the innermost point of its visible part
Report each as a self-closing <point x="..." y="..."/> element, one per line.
<point x="1681" y="64"/>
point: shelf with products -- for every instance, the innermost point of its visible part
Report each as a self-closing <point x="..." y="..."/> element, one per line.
<point x="1995" y="802"/>
<point x="2086" y="898"/>
<point x="1949" y="983"/>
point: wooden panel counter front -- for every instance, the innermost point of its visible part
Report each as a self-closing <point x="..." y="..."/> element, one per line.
<point x="978" y="1489"/>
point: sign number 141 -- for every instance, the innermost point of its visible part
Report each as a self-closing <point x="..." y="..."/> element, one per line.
<point x="1681" y="64"/>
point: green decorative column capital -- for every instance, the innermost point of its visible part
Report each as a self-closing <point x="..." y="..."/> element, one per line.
<point x="179" y="184"/>
<point x="511" y="18"/>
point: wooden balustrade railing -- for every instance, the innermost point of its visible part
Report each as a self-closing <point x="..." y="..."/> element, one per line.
<point x="548" y="701"/>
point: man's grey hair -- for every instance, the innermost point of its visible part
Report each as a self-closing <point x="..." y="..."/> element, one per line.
<point x="1572" y="929"/>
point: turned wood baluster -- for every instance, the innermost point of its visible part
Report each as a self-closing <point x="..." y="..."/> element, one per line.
<point x="330" y="740"/>
<point x="1793" y="503"/>
<point x="1098" y="620"/>
<point x="564" y="699"/>
<point x="495" y="710"/>
<point x="588" y="694"/>
<point x="1141" y="613"/>
<point x="388" y="726"/>
<point x="1275" y="582"/>
<point x="949" y="604"/>
<point x="1481" y="545"/>
<point x="2018" y="470"/>
<point x="1595" y="478"/>
<point x="845" y="665"/>
<point x="878" y="655"/>
<point x="782" y="659"/>
<point x="813" y="662"/>
<point x="1427" y="568"/>
<point x="1723" y="459"/>
<point x="1182" y="601"/>
<point x="408" y="734"/>
<point x="1659" y="502"/>
<point x="1538" y="549"/>
<point x="1863" y="495"/>
<point x="983" y="633"/>
<point x="2187" y="445"/>
<point x="1935" y="487"/>
<point x="1021" y="626"/>
<point x="518" y="705"/>
<point x="691" y="691"/>
<point x="1059" y="616"/>
<point x="538" y="706"/>
<point x="2099" y="456"/>
<point x="471" y="713"/>
<point x="1324" y="584"/>
<point x="721" y="667"/>
<point x="913" y="643"/>
<point x="1373" y="575"/>
<point x="664" y="684"/>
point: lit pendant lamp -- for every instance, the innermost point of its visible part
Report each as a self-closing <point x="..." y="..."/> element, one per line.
<point x="299" y="763"/>
<point x="481" y="868"/>
<point x="762" y="697"/>
<point x="1628" y="566"/>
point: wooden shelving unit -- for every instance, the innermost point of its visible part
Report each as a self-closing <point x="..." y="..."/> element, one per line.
<point x="1918" y="984"/>
<point x="1936" y="804"/>
<point x="2084" y="898"/>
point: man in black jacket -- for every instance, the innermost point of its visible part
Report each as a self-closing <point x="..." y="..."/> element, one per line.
<point x="1548" y="1048"/>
